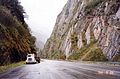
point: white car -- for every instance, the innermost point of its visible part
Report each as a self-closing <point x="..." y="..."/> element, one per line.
<point x="31" y="59"/>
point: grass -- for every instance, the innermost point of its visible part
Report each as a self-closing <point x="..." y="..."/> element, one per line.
<point x="10" y="66"/>
<point x="81" y="52"/>
<point x="95" y="55"/>
<point x="89" y="53"/>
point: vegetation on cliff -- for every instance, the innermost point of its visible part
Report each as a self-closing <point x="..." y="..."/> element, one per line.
<point x="15" y="38"/>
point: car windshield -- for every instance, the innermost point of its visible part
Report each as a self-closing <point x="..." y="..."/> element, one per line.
<point x="29" y="59"/>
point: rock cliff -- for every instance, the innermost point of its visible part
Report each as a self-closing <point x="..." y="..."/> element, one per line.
<point x="85" y="26"/>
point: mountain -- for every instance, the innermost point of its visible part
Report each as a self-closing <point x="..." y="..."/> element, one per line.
<point x="39" y="44"/>
<point x="40" y="39"/>
<point x="86" y="30"/>
<point x="15" y="38"/>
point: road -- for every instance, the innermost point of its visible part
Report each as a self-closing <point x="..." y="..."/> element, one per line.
<point x="49" y="69"/>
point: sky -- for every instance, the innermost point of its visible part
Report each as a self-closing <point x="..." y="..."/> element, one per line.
<point x="42" y="15"/>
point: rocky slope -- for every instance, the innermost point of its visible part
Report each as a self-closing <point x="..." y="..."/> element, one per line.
<point x="15" y="38"/>
<point x="84" y="28"/>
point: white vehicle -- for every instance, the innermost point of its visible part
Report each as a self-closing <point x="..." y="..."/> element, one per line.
<point x="31" y="59"/>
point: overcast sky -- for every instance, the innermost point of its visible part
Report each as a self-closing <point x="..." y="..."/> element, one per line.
<point x="42" y="15"/>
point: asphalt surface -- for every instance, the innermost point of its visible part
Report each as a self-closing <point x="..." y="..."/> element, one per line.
<point x="49" y="69"/>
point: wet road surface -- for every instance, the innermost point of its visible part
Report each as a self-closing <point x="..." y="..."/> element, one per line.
<point x="49" y="69"/>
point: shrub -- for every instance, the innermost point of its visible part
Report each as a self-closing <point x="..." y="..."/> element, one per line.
<point x="84" y="40"/>
<point x="82" y="51"/>
<point x="116" y="58"/>
<point x="95" y="55"/>
<point x="74" y="40"/>
<point x="57" y="55"/>
<point x="91" y="5"/>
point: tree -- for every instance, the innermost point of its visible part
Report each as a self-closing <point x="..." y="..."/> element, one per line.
<point x="15" y="8"/>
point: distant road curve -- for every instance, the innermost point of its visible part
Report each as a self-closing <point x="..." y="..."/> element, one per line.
<point x="50" y="69"/>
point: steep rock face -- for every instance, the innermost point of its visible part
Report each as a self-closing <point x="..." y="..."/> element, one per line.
<point x="84" y="21"/>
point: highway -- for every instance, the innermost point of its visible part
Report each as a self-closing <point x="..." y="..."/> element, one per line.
<point x="51" y="69"/>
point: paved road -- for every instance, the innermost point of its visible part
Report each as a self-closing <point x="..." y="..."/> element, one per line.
<point x="62" y="70"/>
